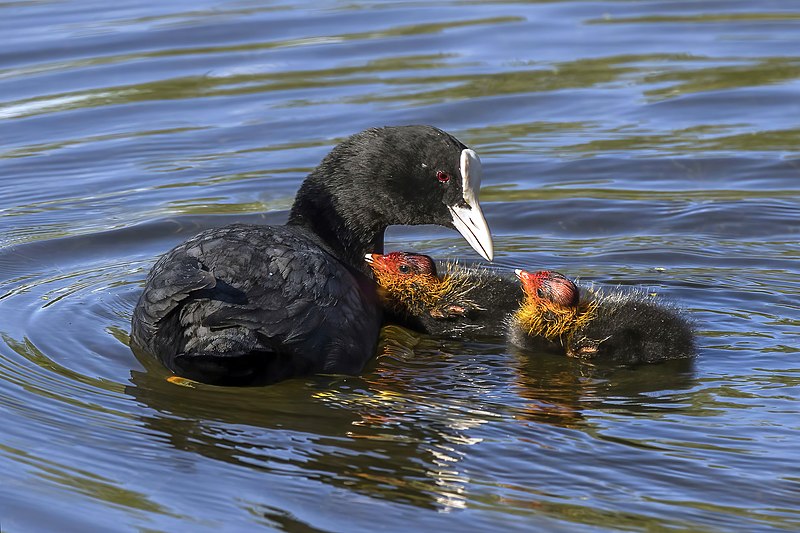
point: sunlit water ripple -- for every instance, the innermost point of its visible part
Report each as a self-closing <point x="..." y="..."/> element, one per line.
<point x="649" y="144"/>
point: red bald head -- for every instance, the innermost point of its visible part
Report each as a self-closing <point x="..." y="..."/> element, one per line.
<point x="402" y="264"/>
<point x="550" y="286"/>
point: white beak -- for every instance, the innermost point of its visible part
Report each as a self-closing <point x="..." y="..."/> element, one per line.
<point x="469" y="220"/>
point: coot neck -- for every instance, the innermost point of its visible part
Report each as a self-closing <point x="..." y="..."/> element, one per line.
<point x="348" y="230"/>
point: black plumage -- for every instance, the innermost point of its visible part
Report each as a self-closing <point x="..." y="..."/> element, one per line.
<point x="632" y="327"/>
<point x="256" y="304"/>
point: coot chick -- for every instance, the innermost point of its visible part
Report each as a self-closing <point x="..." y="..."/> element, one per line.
<point x="624" y="327"/>
<point x="462" y="300"/>
<point x="245" y="304"/>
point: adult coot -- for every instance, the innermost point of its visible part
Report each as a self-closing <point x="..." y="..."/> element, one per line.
<point x="256" y="304"/>
<point x="625" y="327"/>
<point x="462" y="300"/>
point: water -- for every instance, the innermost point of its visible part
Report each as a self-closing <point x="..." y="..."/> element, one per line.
<point x="650" y="143"/>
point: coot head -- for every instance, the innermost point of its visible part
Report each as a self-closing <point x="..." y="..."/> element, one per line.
<point x="410" y="285"/>
<point x="403" y="175"/>
<point x="402" y="264"/>
<point x="551" y="307"/>
<point x="547" y="286"/>
<point x="408" y="281"/>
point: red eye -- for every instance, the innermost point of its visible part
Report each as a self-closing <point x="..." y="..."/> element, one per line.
<point x="442" y="176"/>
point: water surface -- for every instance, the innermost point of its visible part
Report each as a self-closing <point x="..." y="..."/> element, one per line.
<point x="650" y="144"/>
